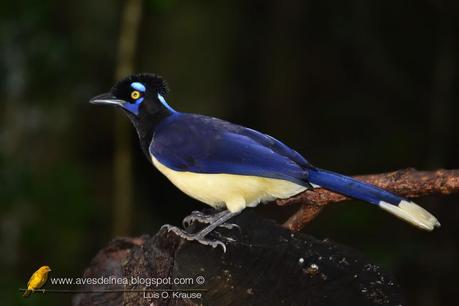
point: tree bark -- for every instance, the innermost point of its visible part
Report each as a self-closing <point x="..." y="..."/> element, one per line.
<point x="265" y="265"/>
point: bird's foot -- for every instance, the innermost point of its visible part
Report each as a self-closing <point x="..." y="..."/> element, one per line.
<point x="194" y="237"/>
<point x="220" y="237"/>
<point x="206" y="219"/>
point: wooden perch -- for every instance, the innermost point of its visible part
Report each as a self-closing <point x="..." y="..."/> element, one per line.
<point x="265" y="265"/>
<point x="409" y="183"/>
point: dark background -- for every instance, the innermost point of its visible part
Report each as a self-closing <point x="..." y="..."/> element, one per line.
<point x="356" y="86"/>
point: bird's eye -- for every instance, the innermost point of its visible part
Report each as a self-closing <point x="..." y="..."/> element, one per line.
<point x="135" y="95"/>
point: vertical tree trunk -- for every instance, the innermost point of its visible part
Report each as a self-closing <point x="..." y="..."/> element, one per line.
<point x="130" y="21"/>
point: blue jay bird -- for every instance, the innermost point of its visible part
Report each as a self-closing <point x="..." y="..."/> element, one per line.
<point x="228" y="166"/>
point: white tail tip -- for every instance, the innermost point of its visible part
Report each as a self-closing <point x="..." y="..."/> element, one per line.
<point x="412" y="213"/>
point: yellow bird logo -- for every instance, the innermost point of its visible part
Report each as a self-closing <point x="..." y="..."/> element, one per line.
<point x="37" y="280"/>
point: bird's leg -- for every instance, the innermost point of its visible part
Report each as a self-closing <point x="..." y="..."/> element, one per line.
<point x="206" y="219"/>
<point x="200" y="236"/>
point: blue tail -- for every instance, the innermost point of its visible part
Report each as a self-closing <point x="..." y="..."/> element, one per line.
<point x="351" y="187"/>
<point x="394" y="204"/>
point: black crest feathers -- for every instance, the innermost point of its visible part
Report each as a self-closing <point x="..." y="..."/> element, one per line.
<point x="152" y="82"/>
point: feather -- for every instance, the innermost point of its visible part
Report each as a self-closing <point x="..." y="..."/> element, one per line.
<point x="200" y="144"/>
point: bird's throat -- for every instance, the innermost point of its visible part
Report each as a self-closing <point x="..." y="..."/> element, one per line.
<point x="145" y="125"/>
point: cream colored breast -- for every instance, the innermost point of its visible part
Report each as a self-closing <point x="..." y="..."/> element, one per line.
<point x="235" y="192"/>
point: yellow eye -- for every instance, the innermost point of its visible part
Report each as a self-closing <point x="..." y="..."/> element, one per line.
<point x="135" y="95"/>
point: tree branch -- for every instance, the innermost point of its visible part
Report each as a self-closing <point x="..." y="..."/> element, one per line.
<point x="409" y="183"/>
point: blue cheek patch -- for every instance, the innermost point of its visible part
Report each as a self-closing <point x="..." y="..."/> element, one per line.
<point x="134" y="107"/>
<point x="163" y="102"/>
<point x="138" y="86"/>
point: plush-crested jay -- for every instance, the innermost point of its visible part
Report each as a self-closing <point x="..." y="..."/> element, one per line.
<point x="228" y="166"/>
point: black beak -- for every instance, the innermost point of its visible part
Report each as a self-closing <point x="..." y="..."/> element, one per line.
<point x="106" y="98"/>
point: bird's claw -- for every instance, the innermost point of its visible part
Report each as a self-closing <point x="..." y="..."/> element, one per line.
<point x="205" y="219"/>
<point x="213" y="243"/>
<point x="197" y="216"/>
<point x="196" y="237"/>
<point x="220" y="237"/>
<point x="231" y="226"/>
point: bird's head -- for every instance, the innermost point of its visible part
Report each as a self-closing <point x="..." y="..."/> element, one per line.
<point x="45" y="269"/>
<point x="138" y="94"/>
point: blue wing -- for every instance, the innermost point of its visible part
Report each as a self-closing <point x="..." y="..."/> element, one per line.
<point x="195" y="143"/>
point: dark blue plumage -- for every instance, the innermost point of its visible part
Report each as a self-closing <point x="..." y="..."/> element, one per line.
<point x="351" y="187"/>
<point x="195" y="143"/>
<point x="200" y="145"/>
